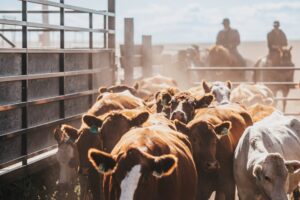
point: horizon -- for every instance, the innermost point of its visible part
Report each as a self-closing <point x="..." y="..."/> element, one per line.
<point x="190" y="21"/>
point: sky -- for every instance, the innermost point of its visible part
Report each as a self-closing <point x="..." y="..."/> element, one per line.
<point x="185" y="21"/>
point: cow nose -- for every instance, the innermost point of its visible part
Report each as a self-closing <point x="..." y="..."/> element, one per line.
<point x="212" y="165"/>
<point x="63" y="186"/>
<point x="178" y="115"/>
<point x="84" y="171"/>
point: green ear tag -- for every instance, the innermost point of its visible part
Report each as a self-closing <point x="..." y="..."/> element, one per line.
<point x="102" y="167"/>
<point x="224" y="131"/>
<point x="94" y="129"/>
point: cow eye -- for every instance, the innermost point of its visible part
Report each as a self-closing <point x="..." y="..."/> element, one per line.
<point x="267" y="178"/>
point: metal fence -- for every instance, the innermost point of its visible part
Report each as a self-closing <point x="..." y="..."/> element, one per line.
<point x="254" y="71"/>
<point x="71" y="76"/>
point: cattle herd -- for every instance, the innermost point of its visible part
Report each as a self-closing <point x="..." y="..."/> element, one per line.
<point x="155" y="141"/>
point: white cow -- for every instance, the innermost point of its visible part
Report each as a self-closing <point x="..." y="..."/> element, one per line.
<point x="249" y="94"/>
<point x="266" y="165"/>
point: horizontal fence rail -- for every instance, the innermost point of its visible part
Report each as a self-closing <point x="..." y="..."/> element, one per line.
<point x="265" y="83"/>
<point x="54" y="27"/>
<point x="79" y="51"/>
<point x="66" y="6"/>
<point x="255" y="70"/>
<point x="241" y="68"/>
<point x="97" y="61"/>
<point x="51" y="75"/>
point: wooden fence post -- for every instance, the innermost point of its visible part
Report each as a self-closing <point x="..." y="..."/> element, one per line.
<point x="128" y="50"/>
<point x="110" y="38"/>
<point x="147" y="56"/>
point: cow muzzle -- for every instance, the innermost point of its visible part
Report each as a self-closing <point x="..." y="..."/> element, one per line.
<point x="212" y="165"/>
<point x="179" y="115"/>
<point x="63" y="186"/>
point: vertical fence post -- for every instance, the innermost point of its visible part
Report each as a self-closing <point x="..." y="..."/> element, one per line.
<point x="128" y="49"/>
<point x="24" y="83"/>
<point x="111" y="37"/>
<point x="62" y="63"/>
<point x="147" y="56"/>
<point x="91" y="46"/>
<point x="255" y="74"/>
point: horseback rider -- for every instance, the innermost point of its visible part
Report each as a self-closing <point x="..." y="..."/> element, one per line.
<point x="276" y="40"/>
<point x="230" y="39"/>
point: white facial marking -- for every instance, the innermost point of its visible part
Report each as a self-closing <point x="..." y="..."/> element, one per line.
<point x="130" y="183"/>
<point x="180" y="109"/>
<point x="64" y="155"/>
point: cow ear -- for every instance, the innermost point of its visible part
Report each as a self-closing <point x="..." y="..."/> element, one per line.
<point x="139" y="119"/>
<point x="166" y="99"/>
<point x="164" y="165"/>
<point x="70" y="131"/>
<point x="102" y="90"/>
<point x="156" y="95"/>
<point x="181" y="127"/>
<point x="58" y="135"/>
<point x="293" y="166"/>
<point x="223" y="128"/>
<point x="103" y="162"/>
<point x="204" y="102"/>
<point x="205" y="86"/>
<point x="257" y="171"/>
<point x="99" y="97"/>
<point x="91" y="120"/>
<point x="136" y="86"/>
<point x="229" y="84"/>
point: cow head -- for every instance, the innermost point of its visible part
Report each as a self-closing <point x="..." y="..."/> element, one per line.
<point x="204" y="138"/>
<point x="132" y="174"/>
<point x="220" y="90"/>
<point x="285" y="56"/>
<point x="67" y="154"/>
<point x="163" y="99"/>
<point x="272" y="175"/>
<point x="183" y="106"/>
<point x="113" y="126"/>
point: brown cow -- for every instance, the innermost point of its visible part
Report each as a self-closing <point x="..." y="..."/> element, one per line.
<point x="213" y="141"/>
<point x="149" y="86"/>
<point x="90" y="137"/>
<point x="163" y="99"/>
<point x="118" y="89"/>
<point x="147" y="163"/>
<point x="67" y="157"/>
<point x="85" y="138"/>
<point x="259" y="111"/>
<point x="183" y="106"/>
<point x="115" y="124"/>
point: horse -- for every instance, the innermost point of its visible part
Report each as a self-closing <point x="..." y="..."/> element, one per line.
<point x="282" y="57"/>
<point x="219" y="56"/>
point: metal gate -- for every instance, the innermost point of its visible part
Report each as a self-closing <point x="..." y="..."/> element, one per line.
<point x="41" y="88"/>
